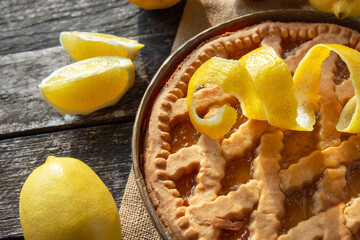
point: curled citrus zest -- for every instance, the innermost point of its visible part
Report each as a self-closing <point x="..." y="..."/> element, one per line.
<point x="274" y="86"/>
<point x="266" y="90"/>
<point x="233" y="78"/>
<point x="307" y="79"/>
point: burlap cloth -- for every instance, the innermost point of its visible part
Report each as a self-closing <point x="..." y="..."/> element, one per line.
<point x="198" y="15"/>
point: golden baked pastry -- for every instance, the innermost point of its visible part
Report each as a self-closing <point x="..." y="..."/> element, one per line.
<point x="258" y="181"/>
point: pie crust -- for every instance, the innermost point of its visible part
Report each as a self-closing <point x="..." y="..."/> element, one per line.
<point x="259" y="181"/>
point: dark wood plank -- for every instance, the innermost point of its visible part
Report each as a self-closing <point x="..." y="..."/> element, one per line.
<point x="27" y="25"/>
<point x="106" y="149"/>
<point x="22" y="111"/>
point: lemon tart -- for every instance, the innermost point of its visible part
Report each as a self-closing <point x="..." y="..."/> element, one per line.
<point x="257" y="181"/>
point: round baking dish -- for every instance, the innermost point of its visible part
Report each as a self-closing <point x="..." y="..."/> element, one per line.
<point x="171" y="63"/>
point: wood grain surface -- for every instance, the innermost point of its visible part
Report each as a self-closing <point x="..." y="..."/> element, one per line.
<point x="30" y="51"/>
<point x="30" y="129"/>
<point x="106" y="149"/>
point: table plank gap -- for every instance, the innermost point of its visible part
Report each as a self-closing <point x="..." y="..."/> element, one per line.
<point x="23" y="110"/>
<point x="106" y="149"/>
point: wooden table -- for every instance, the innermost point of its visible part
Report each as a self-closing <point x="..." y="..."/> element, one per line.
<point x="30" y="129"/>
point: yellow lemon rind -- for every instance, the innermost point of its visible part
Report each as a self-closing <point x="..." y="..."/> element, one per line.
<point x="340" y="8"/>
<point x="84" y="45"/>
<point x="241" y="79"/>
<point x="126" y="64"/>
<point x="287" y="102"/>
<point x="351" y="58"/>
<point x="216" y="71"/>
<point x="63" y="199"/>
<point x="274" y="87"/>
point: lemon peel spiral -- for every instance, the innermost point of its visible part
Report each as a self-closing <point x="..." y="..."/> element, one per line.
<point x="266" y="90"/>
<point x="307" y="79"/>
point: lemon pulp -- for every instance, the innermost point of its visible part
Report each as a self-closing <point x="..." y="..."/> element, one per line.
<point x="86" y="86"/>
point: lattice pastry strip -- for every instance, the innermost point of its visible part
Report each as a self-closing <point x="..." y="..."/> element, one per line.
<point x="273" y="41"/>
<point x="328" y="225"/>
<point x="330" y="108"/>
<point x="203" y="99"/>
<point x="330" y="189"/>
<point x="310" y="167"/>
<point x="293" y="60"/>
<point x="235" y="205"/>
<point x="244" y="138"/>
<point x="352" y="216"/>
<point x="345" y="91"/>
<point x="183" y="162"/>
<point x="207" y="156"/>
<point x="265" y="220"/>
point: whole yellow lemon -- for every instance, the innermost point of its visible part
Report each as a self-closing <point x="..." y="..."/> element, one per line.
<point x="341" y="8"/>
<point x="154" y="4"/>
<point x="65" y="199"/>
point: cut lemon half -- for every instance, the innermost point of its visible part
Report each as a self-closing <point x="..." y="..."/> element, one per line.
<point x="84" y="45"/>
<point x="86" y="86"/>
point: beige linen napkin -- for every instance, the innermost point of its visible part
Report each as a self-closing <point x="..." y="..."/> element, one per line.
<point x="201" y="14"/>
<point x="198" y="15"/>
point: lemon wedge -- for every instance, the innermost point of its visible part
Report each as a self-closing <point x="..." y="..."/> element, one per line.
<point x="84" y="45"/>
<point x="86" y="86"/>
<point x="266" y="90"/>
<point x="154" y="4"/>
